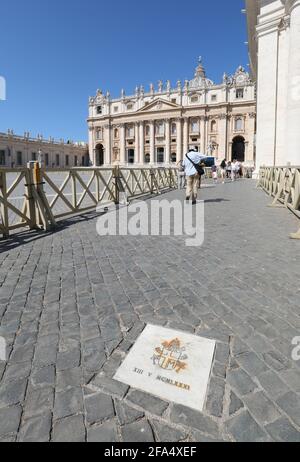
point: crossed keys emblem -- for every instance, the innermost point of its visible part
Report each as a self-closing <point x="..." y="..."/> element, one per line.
<point x="170" y="356"/>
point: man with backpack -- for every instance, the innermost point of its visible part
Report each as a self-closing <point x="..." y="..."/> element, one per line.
<point x="193" y="171"/>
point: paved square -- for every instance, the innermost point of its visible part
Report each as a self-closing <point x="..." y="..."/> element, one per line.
<point x="170" y="364"/>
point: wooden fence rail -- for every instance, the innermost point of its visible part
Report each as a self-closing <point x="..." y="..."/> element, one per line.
<point x="283" y="184"/>
<point x="36" y="198"/>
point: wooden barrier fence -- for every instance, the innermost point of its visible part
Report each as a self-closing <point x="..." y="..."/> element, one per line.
<point x="36" y="198"/>
<point x="283" y="184"/>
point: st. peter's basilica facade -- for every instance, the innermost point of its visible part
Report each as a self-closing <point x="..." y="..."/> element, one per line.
<point x="159" y="126"/>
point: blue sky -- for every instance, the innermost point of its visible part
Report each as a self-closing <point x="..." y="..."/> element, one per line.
<point x="54" y="54"/>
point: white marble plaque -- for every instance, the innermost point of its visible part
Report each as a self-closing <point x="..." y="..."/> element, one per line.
<point x="170" y="364"/>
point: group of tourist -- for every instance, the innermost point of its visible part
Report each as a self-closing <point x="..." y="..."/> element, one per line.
<point x="192" y="168"/>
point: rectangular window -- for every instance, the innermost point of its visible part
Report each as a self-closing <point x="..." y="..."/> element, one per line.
<point x="99" y="134"/>
<point x="195" y="126"/>
<point x="19" y="158"/>
<point x="2" y="157"/>
<point x="67" y="161"/>
<point x="75" y="161"/>
<point x="47" y="160"/>
<point x="130" y="132"/>
<point x="33" y="156"/>
<point x="57" y="160"/>
<point x="82" y="161"/>
<point x="116" y="109"/>
<point x="99" y="109"/>
<point x="214" y="98"/>
<point x="160" y="129"/>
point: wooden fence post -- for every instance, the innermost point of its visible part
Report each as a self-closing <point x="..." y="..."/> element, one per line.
<point x="4" y="208"/>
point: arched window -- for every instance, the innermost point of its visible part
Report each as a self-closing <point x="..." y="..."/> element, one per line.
<point x="238" y="125"/>
<point x="147" y="158"/>
<point x="195" y="99"/>
<point x="116" y="133"/>
<point x="213" y="126"/>
<point x="173" y="157"/>
<point x="174" y="128"/>
<point x="147" y="130"/>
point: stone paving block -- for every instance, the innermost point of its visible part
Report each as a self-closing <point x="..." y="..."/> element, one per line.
<point x="251" y="363"/>
<point x="36" y="430"/>
<point x="182" y="415"/>
<point x="147" y="402"/>
<point x="10" y="420"/>
<point x="12" y="392"/>
<point x="290" y="404"/>
<point x="283" y="431"/>
<point x="215" y="397"/>
<point x="15" y="372"/>
<point x="261" y="408"/>
<point x="166" y="433"/>
<point x="244" y="429"/>
<point x="292" y="378"/>
<point x="106" y="433"/>
<point x="99" y="407"/>
<point x="235" y="404"/>
<point x="38" y="402"/>
<point x="69" y="379"/>
<point x="241" y="382"/>
<point x="69" y="430"/>
<point x="68" y="403"/>
<point x="137" y="432"/>
<point x="44" y="377"/>
<point x="127" y="414"/>
<point x="272" y="384"/>
<point x="110" y="386"/>
<point x="68" y="359"/>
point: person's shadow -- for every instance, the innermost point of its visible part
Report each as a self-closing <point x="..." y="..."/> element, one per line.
<point x="216" y="200"/>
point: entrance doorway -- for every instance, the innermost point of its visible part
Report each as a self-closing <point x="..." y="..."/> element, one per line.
<point x="238" y="149"/>
<point x="99" y="155"/>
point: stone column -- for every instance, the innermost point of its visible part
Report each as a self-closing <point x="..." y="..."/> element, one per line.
<point x="222" y="136"/>
<point x="152" y="142"/>
<point x="293" y="104"/>
<point x="202" y="134"/>
<point x="137" y="143"/>
<point x="92" y="147"/>
<point x="186" y="135"/>
<point x="168" y="141"/>
<point x="179" y="140"/>
<point x="122" y="145"/>
<point x="107" y="137"/>
<point x="142" y="144"/>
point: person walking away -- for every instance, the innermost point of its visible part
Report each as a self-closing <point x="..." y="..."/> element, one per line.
<point x="181" y="175"/>
<point x="190" y="163"/>
<point x="223" y="170"/>
<point x="214" y="171"/>
<point x="233" y="171"/>
<point x="228" y="169"/>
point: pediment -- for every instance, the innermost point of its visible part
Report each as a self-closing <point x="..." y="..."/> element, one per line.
<point x="159" y="105"/>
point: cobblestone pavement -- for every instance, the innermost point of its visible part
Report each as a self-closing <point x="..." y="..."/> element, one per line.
<point x="72" y="304"/>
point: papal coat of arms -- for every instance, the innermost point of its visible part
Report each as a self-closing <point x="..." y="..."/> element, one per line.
<point x="171" y="356"/>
